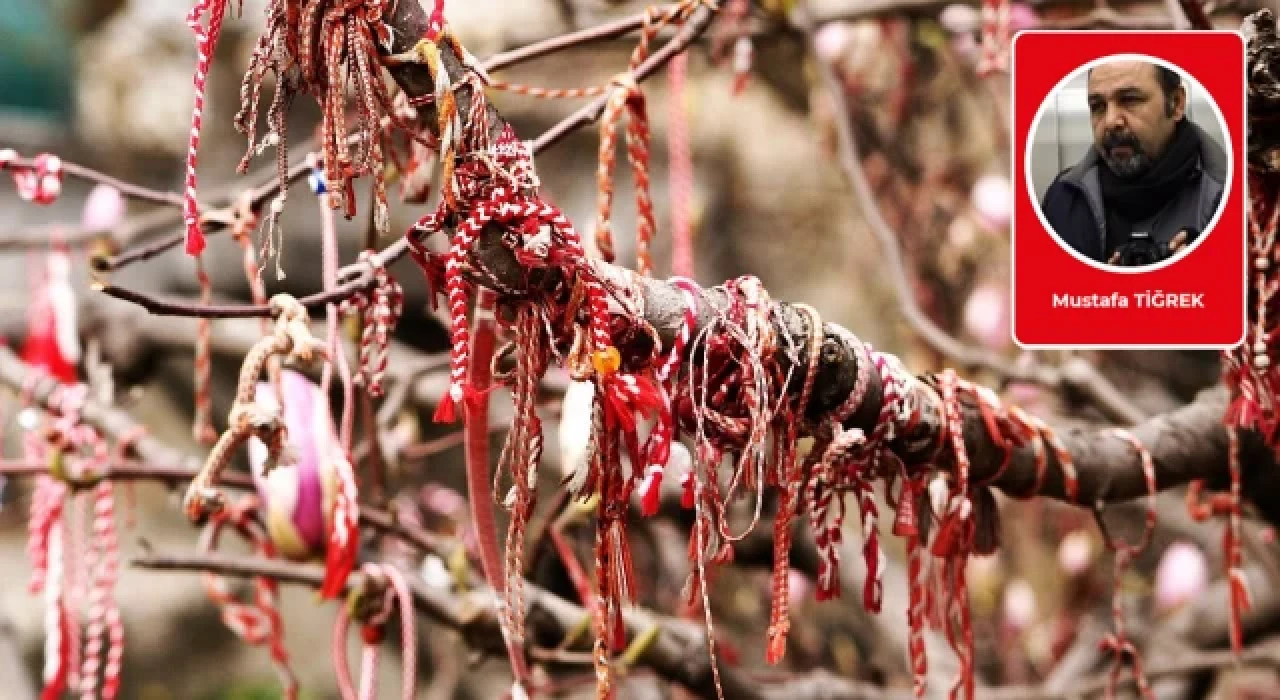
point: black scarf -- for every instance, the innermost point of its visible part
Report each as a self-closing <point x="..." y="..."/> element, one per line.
<point x="1127" y="200"/>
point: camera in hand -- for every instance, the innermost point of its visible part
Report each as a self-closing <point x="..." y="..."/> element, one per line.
<point x="1142" y="250"/>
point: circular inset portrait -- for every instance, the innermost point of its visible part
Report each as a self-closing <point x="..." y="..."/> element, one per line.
<point x="1128" y="163"/>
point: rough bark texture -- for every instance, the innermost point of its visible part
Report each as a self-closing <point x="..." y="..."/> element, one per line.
<point x="1187" y="444"/>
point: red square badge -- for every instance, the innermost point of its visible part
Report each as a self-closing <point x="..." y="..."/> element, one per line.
<point x="1129" y="219"/>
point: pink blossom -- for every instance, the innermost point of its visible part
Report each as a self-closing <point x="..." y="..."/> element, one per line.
<point x="443" y="500"/>
<point x="104" y="208"/>
<point x="831" y="41"/>
<point x="299" y="494"/>
<point x="1022" y="16"/>
<point x="1075" y="553"/>
<point x="960" y="19"/>
<point x="798" y="587"/>
<point x="1181" y="576"/>
<point x="1019" y="605"/>
<point x="992" y="198"/>
<point x="986" y="316"/>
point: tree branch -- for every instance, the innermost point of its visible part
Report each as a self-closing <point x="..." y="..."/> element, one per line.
<point x="1078" y="375"/>
<point x="1266" y="654"/>
<point x="410" y="22"/>
<point x="676" y="653"/>
<point x="127" y="189"/>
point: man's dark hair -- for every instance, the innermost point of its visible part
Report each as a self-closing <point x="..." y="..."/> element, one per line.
<point x="1169" y="81"/>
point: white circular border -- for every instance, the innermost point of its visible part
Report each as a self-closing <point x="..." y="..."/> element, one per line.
<point x="1226" y="185"/>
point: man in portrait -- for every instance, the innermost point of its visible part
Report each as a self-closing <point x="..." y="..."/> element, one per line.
<point x="1152" y="180"/>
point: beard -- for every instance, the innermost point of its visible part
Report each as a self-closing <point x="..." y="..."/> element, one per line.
<point x="1137" y="162"/>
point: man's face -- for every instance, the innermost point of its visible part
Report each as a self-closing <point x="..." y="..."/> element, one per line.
<point x="1132" y="124"/>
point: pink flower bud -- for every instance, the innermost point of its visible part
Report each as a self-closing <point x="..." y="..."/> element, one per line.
<point x="799" y="587"/>
<point x="104" y="208"/>
<point x="299" y="494"/>
<point x="1181" y="576"/>
<point x="960" y="19"/>
<point x="443" y="500"/>
<point x="1075" y="553"/>
<point x="986" y="316"/>
<point x="1022" y="16"/>
<point x="992" y="198"/>
<point x="831" y="40"/>
<point x="1019" y="605"/>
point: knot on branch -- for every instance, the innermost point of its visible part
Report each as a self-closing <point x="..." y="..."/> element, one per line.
<point x="292" y="339"/>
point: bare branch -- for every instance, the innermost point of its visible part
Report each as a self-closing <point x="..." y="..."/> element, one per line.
<point x="127" y="189"/>
<point x="1264" y="654"/>
<point x="676" y="653"/>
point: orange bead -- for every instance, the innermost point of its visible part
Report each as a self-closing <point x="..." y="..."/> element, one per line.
<point x="606" y="361"/>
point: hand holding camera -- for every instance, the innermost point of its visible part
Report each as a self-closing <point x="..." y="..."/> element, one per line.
<point x="1141" y="250"/>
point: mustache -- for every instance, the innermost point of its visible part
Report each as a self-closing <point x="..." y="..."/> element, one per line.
<point x="1116" y="139"/>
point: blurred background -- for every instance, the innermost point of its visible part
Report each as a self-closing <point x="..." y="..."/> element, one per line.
<point x="107" y="83"/>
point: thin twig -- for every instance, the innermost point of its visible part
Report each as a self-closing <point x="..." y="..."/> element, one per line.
<point x="127" y="189"/>
<point x="174" y="307"/>
<point x="694" y="28"/>
<point x="131" y="470"/>
<point x="213" y="221"/>
<point x="1195" y="15"/>
<point x="1176" y="15"/>
<point x="609" y="30"/>
<point x="1266" y="654"/>
<point x="689" y="33"/>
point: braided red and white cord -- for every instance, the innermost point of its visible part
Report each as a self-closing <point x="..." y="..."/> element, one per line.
<point x="206" y="42"/>
<point x="104" y="611"/>
<point x="381" y="308"/>
<point x="995" y="36"/>
<point x="953" y="543"/>
<point x="202" y="425"/>
<point x="1253" y="378"/>
<point x="628" y="97"/>
<point x="1118" y="642"/>
<point x="658" y="445"/>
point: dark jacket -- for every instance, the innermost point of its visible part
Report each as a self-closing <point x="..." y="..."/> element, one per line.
<point x="1073" y="203"/>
